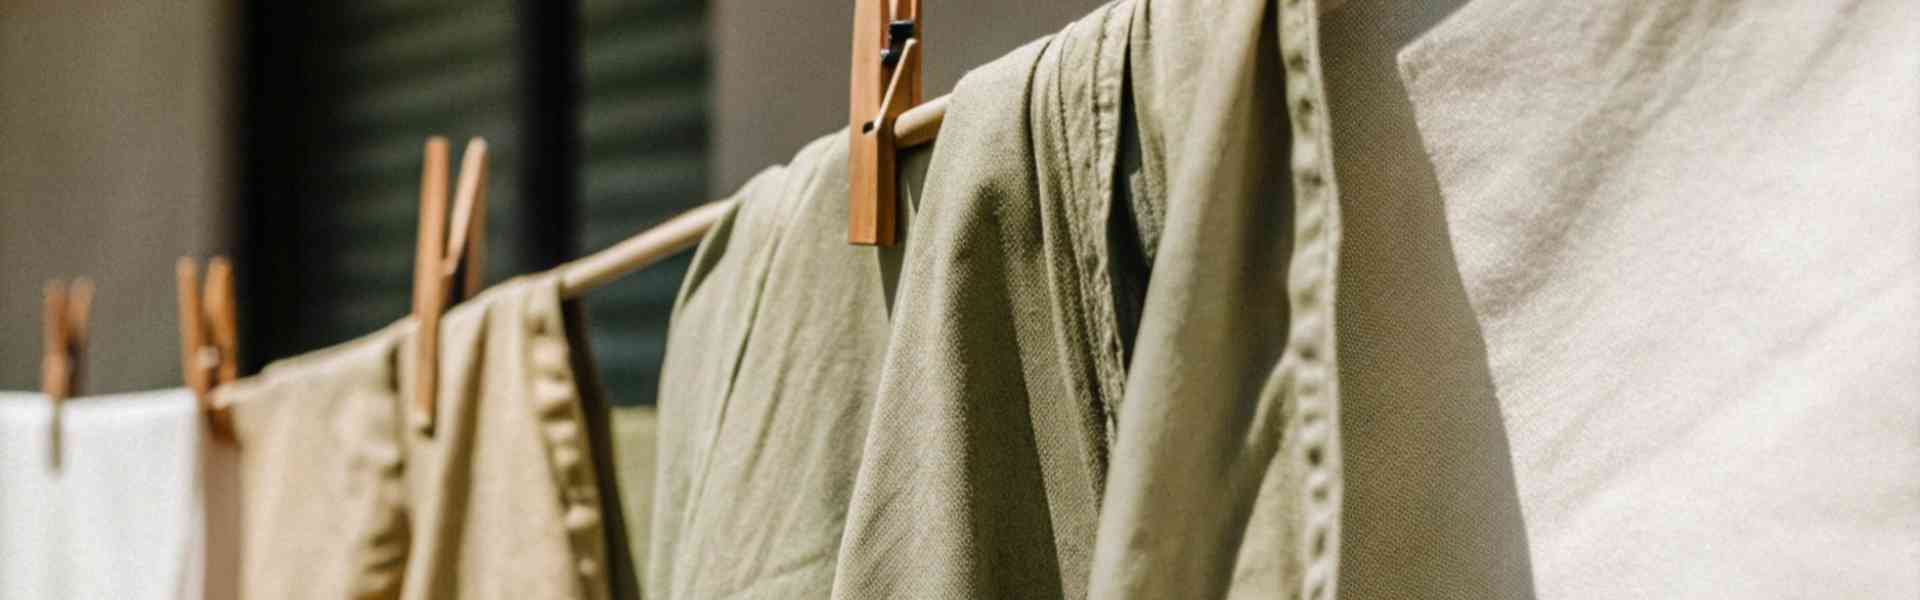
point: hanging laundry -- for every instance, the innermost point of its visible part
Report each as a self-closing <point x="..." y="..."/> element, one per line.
<point x="136" y="508"/>
<point x="1430" y="508"/>
<point x="1227" y="462"/>
<point x="323" y="510"/>
<point x="991" y="426"/>
<point x="1689" y="233"/>
<point x="935" y="419"/>
<point x="504" y="497"/>
<point x="773" y="358"/>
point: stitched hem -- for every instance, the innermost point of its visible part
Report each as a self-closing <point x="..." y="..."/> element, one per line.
<point x="556" y="403"/>
<point x="1307" y="372"/>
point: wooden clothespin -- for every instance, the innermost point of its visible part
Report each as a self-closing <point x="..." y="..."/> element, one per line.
<point x="439" y="263"/>
<point x="65" y="343"/>
<point x="209" y="336"/>
<point x="885" y="35"/>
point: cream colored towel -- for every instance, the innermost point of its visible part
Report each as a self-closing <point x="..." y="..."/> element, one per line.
<point x="125" y="513"/>
<point x="1690" y="232"/>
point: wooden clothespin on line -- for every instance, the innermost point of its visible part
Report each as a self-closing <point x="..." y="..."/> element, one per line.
<point x="68" y="304"/>
<point x="917" y="126"/>
<point x="870" y="217"/>
<point x="886" y="34"/>
<point x="445" y="271"/>
<point x="897" y="117"/>
<point x="209" y="336"/>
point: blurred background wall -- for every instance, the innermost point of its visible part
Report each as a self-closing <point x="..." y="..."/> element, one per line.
<point x="288" y="135"/>
<point x="116" y="124"/>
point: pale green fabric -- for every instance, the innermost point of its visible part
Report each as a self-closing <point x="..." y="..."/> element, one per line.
<point x="1226" y="474"/>
<point x="983" y="462"/>
<point x="1430" y="508"/>
<point x="773" y="357"/>
<point x="935" y="420"/>
<point x="634" y="436"/>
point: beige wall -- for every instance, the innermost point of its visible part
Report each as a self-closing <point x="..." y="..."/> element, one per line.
<point x="780" y="67"/>
<point x="113" y="162"/>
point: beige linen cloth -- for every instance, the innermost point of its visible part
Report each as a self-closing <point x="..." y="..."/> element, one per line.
<point x="937" y="419"/>
<point x="1686" y="237"/>
<point x="344" y="498"/>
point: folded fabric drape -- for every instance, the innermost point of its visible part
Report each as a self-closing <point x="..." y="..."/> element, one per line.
<point x="938" y="420"/>
<point x="1690" y="236"/>
<point x="503" y="499"/>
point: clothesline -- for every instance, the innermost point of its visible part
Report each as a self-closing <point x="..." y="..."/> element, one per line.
<point x="917" y="126"/>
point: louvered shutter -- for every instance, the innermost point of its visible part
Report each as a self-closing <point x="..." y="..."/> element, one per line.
<point x="345" y="96"/>
<point x="643" y="128"/>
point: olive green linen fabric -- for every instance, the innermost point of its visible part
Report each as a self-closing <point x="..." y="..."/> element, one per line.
<point x="777" y="356"/>
<point x="344" y="497"/>
<point x="1226" y="469"/>
<point x="981" y="476"/>
<point x="935" y="420"/>
<point x="772" y="361"/>
<point x="635" y="436"/>
<point x="1430" y="506"/>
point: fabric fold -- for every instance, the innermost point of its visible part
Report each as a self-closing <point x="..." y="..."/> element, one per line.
<point x="1689" y="233"/>
<point x="937" y="420"/>
<point x="501" y="498"/>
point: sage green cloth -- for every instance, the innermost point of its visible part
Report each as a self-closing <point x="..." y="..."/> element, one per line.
<point x="936" y="420"/>
<point x="1431" y="510"/>
<point x="772" y="362"/>
<point x="635" y="435"/>
<point x="345" y="497"/>
<point x="983" y="463"/>
<point x="776" y="371"/>
<point x="773" y="365"/>
<point x="1226" y="476"/>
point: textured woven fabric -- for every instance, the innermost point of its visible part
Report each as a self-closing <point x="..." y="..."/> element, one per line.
<point x="344" y="498"/>
<point x="935" y="420"/>
<point x="981" y="477"/>
<point x="504" y="496"/>
<point x="635" y="436"/>
<point x="1431" y="509"/>
<point x="132" y="509"/>
<point x="1226" y="474"/>
<point x="772" y="358"/>
<point x="1690" y="233"/>
<point x="322" y="506"/>
<point x="775" y="370"/>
